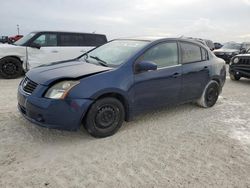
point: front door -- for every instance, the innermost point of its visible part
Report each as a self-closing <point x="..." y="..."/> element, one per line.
<point x="161" y="87"/>
<point x="47" y="53"/>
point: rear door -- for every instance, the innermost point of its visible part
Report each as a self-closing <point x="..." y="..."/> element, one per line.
<point x="195" y="70"/>
<point x="161" y="87"/>
<point x="47" y="53"/>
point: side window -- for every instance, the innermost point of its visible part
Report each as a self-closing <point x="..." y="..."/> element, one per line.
<point x="204" y="55"/>
<point x="94" y="40"/>
<point x="46" y="40"/>
<point x="164" y="54"/>
<point x="190" y="52"/>
<point x="90" y="40"/>
<point x="69" y="39"/>
<point x="100" y="40"/>
<point x="82" y="40"/>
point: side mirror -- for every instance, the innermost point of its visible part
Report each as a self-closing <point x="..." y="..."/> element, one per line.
<point x="243" y="50"/>
<point x="35" y="45"/>
<point x="145" y="66"/>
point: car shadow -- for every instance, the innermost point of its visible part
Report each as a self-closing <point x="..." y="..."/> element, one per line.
<point x="242" y="81"/>
<point x="48" y="136"/>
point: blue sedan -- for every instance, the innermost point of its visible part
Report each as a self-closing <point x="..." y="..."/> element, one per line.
<point x="119" y="80"/>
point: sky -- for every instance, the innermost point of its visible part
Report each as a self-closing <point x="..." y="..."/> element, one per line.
<point x="218" y="20"/>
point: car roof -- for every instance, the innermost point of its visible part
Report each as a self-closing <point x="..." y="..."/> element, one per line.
<point x="153" y="38"/>
<point x="46" y="31"/>
<point x="146" y="38"/>
<point x="158" y="38"/>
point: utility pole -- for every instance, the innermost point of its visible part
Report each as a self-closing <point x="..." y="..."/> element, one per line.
<point x="17" y="29"/>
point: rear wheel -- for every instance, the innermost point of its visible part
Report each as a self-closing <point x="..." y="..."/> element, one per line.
<point x="209" y="95"/>
<point x="10" y="67"/>
<point x="234" y="77"/>
<point x="104" y="117"/>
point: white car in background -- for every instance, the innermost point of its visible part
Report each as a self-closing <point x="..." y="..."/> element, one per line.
<point x="44" y="47"/>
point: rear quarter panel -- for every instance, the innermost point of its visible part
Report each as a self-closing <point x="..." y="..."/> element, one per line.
<point x="218" y="70"/>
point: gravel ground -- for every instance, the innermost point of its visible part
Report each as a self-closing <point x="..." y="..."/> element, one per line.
<point x="182" y="146"/>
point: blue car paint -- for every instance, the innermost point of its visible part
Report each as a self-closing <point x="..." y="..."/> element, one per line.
<point x="139" y="92"/>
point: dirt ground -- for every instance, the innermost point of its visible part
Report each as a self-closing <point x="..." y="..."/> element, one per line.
<point x="182" y="146"/>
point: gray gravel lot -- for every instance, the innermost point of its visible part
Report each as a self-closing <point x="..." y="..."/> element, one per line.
<point x="182" y="146"/>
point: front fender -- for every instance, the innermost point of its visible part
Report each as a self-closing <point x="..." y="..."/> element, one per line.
<point x="13" y="51"/>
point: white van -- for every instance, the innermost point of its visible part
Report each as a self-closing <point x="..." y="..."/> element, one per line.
<point x="44" y="47"/>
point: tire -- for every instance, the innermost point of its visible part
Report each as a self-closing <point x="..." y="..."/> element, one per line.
<point x="104" y="117"/>
<point x="10" y="68"/>
<point x="234" y="77"/>
<point x="210" y="95"/>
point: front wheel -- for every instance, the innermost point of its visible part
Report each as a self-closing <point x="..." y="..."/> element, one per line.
<point x="104" y="117"/>
<point x="10" y="68"/>
<point x="234" y="77"/>
<point x="209" y="95"/>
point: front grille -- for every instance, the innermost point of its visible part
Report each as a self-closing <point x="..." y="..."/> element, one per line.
<point x="244" y="61"/>
<point x="28" y="85"/>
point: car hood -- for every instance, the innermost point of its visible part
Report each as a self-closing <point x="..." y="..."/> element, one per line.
<point x="5" y="45"/>
<point x="224" y="50"/>
<point x="73" y="69"/>
<point x="243" y="55"/>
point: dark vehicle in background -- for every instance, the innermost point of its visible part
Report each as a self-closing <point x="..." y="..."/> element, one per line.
<point x="230" y="50"/>
<point x="4" y="39"/>
<point x="217" y="45"/>
<point x="245" y="47"/>
<point x="240" y="66"/>
<point x="119" y="80"/>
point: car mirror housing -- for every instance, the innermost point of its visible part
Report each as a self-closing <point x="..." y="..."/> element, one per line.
<point x="243" y="50"/>
<point x="145" y="66"/>
<point x="34" y="45"/>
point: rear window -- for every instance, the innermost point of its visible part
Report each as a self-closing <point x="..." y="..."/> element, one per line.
<point x="69" y="40"/>
<point x="204" y="54"/>
<point x="94" y="40"/>
<point x="190" y="52"/>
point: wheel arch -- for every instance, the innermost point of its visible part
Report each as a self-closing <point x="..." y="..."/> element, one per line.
<point x="119" y="97"/>
<point x="220" y="83"/>
<point x="217" y="80"/>
<point x="13" y="56"/>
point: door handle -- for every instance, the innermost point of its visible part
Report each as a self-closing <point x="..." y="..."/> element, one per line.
<point x="175" y="75"/>
<point x="205" y="68"/>
<point x="54" y="51"/>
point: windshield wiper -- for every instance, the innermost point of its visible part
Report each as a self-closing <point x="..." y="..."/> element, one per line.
<point x="100" y="61"/>
<point x="86" y="56"/>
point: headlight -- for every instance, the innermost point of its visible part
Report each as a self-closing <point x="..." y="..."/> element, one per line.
<point x="236" y="60"/>
<point x="61" y="89"/>
<point x="229" y="53"/>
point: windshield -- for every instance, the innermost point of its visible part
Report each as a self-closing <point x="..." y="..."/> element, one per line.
<point x="114" y="53"/>
<point x="236" y="46"/>
<point x="23" y="40"/>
